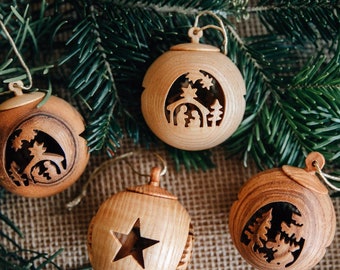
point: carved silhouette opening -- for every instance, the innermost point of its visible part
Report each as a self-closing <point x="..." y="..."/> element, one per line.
<point x="275" y="233"/>
<point x="195" y="99"/>
<point x="133" y="244"/>
<point x="32" y="156"/>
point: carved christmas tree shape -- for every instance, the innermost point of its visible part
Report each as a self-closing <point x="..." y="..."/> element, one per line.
<point x="133" y="244"/>
<point x="256" y="232"/>
<point x="216" y="112"/>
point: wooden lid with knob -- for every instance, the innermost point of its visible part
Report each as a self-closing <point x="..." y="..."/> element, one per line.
<point x="20" y="98"/>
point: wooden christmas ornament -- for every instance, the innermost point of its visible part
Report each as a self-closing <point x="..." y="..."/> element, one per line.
<point x="193" y="96"/>
<point x="283" y="218"/>
<point x="144" y="227"/>
<point x="42" y="151"/>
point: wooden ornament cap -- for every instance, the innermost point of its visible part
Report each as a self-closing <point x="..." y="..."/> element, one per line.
<point x="43" y="151"/>
<point x="143" y="227"/>
<point x="153" y="188"/>
<point x="20" y="99"/>
<point x="306" y="177"/>
<point x="283" y="218"/>
<point x="193" y="96"/>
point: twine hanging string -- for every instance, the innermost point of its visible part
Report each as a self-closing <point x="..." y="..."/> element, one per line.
<point x="106" y="165"/>
<point x="220" y="28"/>
<point x="19" y="85"/>
<point x="325" y="177"/>
<point x="16" y="51"/>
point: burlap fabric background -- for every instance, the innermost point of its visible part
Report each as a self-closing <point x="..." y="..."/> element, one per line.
<point x="208" y="196"/>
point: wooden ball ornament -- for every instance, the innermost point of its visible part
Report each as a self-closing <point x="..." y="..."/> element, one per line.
<point x="42" y="151"/>
<point x="283" y="218"/>
<point x="143" y="227"/>
<point x="193" y="96"/>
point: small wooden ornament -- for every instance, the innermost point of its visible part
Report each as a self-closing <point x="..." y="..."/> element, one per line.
<point x="144" y="227"/>
<point x="42" y="151"/>
<point x="194" y="96"/>
<point x="283" y="218"/>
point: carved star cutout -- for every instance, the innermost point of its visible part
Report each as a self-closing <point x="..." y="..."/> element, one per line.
<point x="189" y="92"/>
<point x="207" y="82"/>
<point x="133" y="244"/>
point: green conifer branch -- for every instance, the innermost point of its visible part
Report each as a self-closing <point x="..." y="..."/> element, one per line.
<point x="300" y="20"/>
<point x="29" y="30"/>
<point x="15" y="257"/>
<point x="267" y="62"/>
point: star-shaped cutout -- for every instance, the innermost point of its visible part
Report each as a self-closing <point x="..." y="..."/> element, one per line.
<point x="189" y="92"/>
<point x="133" y="244"/>
<point x="207" y="82"/>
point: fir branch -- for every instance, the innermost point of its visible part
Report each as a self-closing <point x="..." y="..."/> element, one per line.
<point x="143" y="30"/>
<point x="192" y="7"/>
<point x="12" y="255"/>
<point x="265" y="62"/>
<point x="93" y="80"/>
<point x="198" y="160"/>
<point x="129" y="36"/>
<point x="300" y="20"/>
<point x="30" y="38"/>
<point x="297" y="119"/>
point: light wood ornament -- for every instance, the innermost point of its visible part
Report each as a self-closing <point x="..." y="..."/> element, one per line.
<point x="42" y="150"/>
<point x="143" y="227"/>
<point x="193" y="96"/>
<point x="283" y="218"/>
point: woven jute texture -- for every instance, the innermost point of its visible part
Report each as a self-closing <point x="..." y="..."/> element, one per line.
<point x="207" y="195"/>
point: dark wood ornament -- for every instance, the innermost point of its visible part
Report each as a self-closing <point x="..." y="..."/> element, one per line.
<point x="194" y="96"/>
<point x="42" y="150"/>
<point x="143" y="227"/>
<point x="283" y="218"/>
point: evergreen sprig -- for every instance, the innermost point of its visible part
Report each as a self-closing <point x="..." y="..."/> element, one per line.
<point x="114" y="42"/>
<point x="301" y="20"/>
<point x="282" y="124"/>
<point x="29" y="30"/>
<point x="130" y="35"/>
<point x="13" y="256"/>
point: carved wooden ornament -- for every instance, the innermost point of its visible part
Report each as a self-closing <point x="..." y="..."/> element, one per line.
<point x="42" y="151"/>
<point x="284" y="218"/>
<point x="144" y="227"/>
<point x="194" y="96"/>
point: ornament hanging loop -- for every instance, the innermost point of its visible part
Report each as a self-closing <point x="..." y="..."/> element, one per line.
<point x="16" y="87"/>
<point x="155" y="174"/>
<point x="325" y="176"/>
<point x="196" y="32"/>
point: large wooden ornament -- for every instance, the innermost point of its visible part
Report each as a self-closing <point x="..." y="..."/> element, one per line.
<point x="194" y="96"/>
<point x="284" y="218"/>
<point x="41" y="149"/>
<point x="144" y="227"/>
